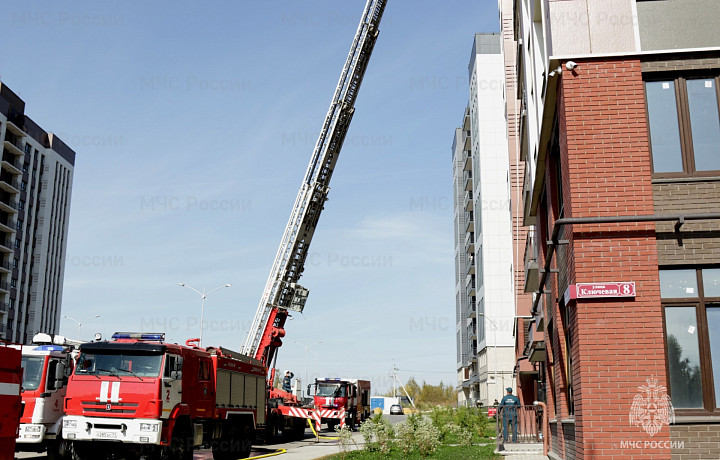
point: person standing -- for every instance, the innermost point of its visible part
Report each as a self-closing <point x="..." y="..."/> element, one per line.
<point x="509" y="406"/>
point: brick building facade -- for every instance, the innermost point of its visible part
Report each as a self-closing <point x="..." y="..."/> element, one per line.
<point x="620" y="134"/>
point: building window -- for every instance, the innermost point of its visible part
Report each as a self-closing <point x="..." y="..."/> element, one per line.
<point x="691" y="307"/>
<point x="684" y="126"/>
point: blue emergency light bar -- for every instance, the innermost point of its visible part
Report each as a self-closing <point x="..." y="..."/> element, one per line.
<point x="48" y="348"/>
<point x="150" y="336"/>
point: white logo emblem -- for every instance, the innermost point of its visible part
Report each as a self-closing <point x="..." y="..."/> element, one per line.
<point x="652" y="408"/>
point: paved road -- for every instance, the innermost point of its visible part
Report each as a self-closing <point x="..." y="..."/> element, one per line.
<point x="307" y="449"/>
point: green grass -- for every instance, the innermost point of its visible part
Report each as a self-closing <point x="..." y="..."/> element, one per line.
<point x="443" y="453"/>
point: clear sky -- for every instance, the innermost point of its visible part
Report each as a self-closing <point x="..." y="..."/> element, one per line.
<point x="193" y="123"/>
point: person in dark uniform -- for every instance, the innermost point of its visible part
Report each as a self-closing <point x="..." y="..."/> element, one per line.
<point x="509" y="407"/>
<point x="286" y="381"/>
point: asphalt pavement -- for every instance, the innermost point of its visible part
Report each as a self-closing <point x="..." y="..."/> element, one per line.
<point x="307" y="449"/>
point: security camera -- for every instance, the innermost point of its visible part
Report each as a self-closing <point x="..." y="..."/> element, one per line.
<point x="570" y="65"/>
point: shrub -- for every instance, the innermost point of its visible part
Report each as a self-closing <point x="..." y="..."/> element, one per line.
<point x="345" y="439"/>
<point x="418" y="433"/>
<point x="378" y="434"/>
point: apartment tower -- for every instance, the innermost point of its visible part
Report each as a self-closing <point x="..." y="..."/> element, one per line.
<point x="35" y="187"/>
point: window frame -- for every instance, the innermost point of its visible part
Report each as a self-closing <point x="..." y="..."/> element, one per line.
<point x="708" y="379"/>
<point x="687" y="154"/>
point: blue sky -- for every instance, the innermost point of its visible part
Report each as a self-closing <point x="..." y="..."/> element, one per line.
<point x="193" y="123"/>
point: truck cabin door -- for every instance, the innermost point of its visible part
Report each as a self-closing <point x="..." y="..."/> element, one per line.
<point x="172" y="384"/>
<point x="55" y="387"/>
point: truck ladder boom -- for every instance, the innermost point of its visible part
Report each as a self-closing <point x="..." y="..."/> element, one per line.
<point x="290" y="259"/>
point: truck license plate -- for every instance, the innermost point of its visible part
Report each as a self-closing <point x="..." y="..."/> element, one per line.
<point x="103" y="434"/>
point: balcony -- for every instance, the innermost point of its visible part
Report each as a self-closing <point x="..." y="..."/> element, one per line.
<point x="470" y="266"/>
<point x="467" y="178"/>
<point x="535" y="344"/>
<point x="469" y="200"/>
<point x="14" y="143"/>
<point x="470" y="242"/>
<point x="8" y="225"/>
<point x="5" y="266"/>
<point x="469" y="218"/>
<point x="11" y="163"/>
<point x="16" y="125"/>
<point x="532" y="272"/>
<point x="4" y="287"/>
<point x="470" y="286"/>
<point x="5" y="245"/>
<point x="4" y="306"/>
<point x="468" y="160"/>
<point x="472" y="311"/>
<point x="9" y="184"/>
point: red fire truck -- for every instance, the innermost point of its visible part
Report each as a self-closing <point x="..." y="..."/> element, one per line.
<point x="140" y="395"/>
<point x="10" y="404"/>
<point x="46" y="363"/>
<point x="341" y="401"/>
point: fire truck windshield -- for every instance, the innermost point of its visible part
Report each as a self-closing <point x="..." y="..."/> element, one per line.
<point x="331" y="391"/>
<point x="32" y="372"/>
<point x="119" y="364"/>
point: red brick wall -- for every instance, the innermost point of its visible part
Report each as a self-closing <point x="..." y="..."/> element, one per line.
<point x="617" y="344"/>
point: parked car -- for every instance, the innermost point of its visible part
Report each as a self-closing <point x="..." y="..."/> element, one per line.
<point x="396" y="409"/>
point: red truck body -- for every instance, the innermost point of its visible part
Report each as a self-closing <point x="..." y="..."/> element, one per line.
<point x="140" y="395"/>
<point x="339" y="401"/>
<point x="46" y="366"/>
<point x="10" y="402"/>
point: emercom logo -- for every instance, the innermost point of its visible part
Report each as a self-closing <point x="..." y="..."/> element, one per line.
<point x="651" y="407"/>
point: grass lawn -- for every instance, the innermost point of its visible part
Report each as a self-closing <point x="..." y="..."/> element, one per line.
<point x="443" y="453"/>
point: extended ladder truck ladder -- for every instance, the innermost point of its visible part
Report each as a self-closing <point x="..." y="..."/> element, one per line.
<point x="282" y="293"/>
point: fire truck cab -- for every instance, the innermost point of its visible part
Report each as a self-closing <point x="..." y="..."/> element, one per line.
<point x="341" y="401"/>
<point x="139" y="395"/>
<point x="46" y="364"/>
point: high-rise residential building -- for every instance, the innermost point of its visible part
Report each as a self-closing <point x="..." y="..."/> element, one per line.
<point x="619" y="131"/>
<point x="485" y="309"/>
<point x="35" y="188"/>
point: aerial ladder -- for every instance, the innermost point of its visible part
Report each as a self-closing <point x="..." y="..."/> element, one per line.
<point x="282" y="292"/>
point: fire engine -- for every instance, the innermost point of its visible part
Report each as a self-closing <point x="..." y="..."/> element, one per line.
<point x="10" y="404"/>
<point x="341" y="401"/>
<point x="46" y="365"/>
<point x="140" y="394"/>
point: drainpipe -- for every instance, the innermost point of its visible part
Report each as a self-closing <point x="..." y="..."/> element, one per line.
<point x="545" y="425"/>
<point x="678" y="218"/>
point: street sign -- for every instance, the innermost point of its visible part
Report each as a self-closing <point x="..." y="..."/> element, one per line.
<point x="600" y="290"/>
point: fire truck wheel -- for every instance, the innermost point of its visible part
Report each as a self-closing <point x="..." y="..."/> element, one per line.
<point x="272" y="429"/>
<point x="84" y="451"/>
<point x="58" y="450"/>
<point x="235" y="443"/>
<point x="180" y="447"/>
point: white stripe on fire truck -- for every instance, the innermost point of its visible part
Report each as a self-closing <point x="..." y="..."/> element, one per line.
<point x="115" y="395"/>
<point x="9" y="389"/>
<point x="104" y="387"/>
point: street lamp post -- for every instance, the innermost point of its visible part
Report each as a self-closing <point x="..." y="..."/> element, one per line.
<point x="495" y="328"/>
<point x="307" y="348"/>
<point x="80" y="323"/>
<point x="203" y="295"/>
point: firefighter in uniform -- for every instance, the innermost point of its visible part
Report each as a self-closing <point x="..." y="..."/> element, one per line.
<point x="286" y="381"/>
<point x="509" y="407"/>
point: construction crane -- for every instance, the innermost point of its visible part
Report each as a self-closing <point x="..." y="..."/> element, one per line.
<point x="282" y="292"/>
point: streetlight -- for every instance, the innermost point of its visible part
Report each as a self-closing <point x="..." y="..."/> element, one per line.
<point x="80" y="323"/>
<point x="307" y="348"/>
<point x="203" y="295"/>
<point x="495" y="328"/>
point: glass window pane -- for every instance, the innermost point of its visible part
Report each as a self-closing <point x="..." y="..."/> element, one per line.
<point x="711" y="282"/>
<point x="713" y="318"/>
<point x="683" y="357"/>
<point x="663" y="125"/>
<point x="678" y="284"/>
<point x="705" y="123"/>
